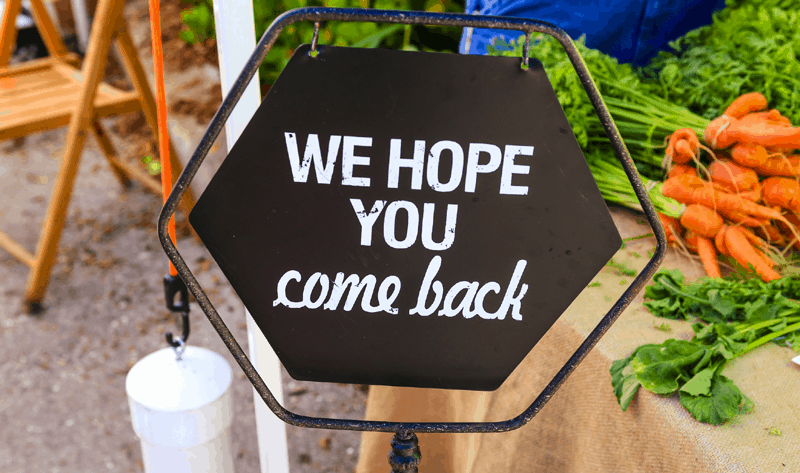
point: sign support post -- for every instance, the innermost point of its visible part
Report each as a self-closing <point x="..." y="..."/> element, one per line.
<point x="235" y="31"/>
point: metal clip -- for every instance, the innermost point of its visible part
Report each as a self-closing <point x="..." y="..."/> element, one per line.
<point x="526" y="51"/>
<point x="174" y="285"/>
<point x="313" y="52"/>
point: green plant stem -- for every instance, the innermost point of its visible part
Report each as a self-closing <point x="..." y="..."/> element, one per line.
<point x="640" y="237"/>
<point x="766" y="323"/>
<point x="616" y="188"/>
<point x="769" y="338"/>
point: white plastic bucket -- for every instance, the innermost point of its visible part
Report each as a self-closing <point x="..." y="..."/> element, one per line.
<point x="181" y="411"/>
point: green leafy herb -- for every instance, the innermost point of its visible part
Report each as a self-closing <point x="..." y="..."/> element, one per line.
<point x="624" y="380"/>
<point x="722" y="402"/>
<point x="621" y="268"/>
<point x="734" y="317"/>
<point x="664" y="327"/>
<point x="722" y="299"/>
<point x="750" y="46"/>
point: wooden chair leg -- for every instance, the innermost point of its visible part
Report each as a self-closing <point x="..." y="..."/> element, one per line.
<point x="80" y="123"/>
<point x="47" y="30"/>
<point x="110" y="153"/>
<point x="8" y="31"/>
<point x="55" y="218"/>
<point x="137" y="75"/>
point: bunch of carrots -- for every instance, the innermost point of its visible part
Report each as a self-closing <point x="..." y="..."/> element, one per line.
<point x="745" y="204"/>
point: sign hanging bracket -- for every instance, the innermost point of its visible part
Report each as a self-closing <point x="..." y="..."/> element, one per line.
<point x="318" y="14"/>
<point x="526" y="51"/>
<point x="313" y="52"/>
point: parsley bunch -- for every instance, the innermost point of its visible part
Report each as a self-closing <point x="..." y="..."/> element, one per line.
<point x="716" y="300"/>
<point x="750" y="46"/>
<point x="734" y="316"/>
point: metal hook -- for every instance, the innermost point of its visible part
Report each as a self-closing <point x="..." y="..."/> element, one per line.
<point x="179" y="345"/>
<point x="173" y="285"/>
<point x="525" y="50"/>
<point x="313" y="51"/>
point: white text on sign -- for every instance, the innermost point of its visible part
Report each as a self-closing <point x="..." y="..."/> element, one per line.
<point x="461" y="169"/>
<point x="420" y="164"/>
<point x="472" y="302"/>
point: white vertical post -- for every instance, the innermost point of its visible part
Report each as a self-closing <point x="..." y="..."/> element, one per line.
<point x="81" y="17"/>
<point x="236" y="40"/>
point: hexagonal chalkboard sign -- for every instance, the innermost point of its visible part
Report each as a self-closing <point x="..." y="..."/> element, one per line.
<point x="406" y="218"/>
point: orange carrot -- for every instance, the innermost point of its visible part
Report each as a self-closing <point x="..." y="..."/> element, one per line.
<point x="701" y="220"/>
<point x="752" y="238"/>
<point x="719" y="241"/>
<point x="679" y="169"/>
<point x="734" y="177"/>
<point x="764" y="134"/>
<point x="772" y="234"/>
<point x="743" y="252"/>
<point x="708" y="256"/>
<point x="683" y="146"/>
<point x="758" y="245"/>
<point x="788" y="166"/>
<point x="672" y="227"/>
<point x="772" y="117"/>
<point x="723" y="132"/>
<point x="749" y="155"/>
<point x="742" y="218"/>
<point x="782" y="192"/>
<point x="717" y="133"/>
<point x="767" y="260"/>
<point x="752" y="195"/>
<point x="746" y="103"/>
<point x="794" y="220"/>
<point x="774" y="151"/>
<point x="690" y="189"/>
<point x="684" y="152"/>
<point x="690" y="238"/>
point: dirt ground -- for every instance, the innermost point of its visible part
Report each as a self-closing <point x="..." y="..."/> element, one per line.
<point x="63" y="406"/>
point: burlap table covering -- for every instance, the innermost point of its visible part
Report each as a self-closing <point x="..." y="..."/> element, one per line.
<point x="582" y="429"/>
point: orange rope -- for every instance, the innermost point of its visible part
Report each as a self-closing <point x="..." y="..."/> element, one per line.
<point x="161" y="112"/>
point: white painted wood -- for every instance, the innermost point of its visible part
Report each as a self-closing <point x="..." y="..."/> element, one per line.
<point x="81" y="16"/>
<point x="181" y="411"/>
<point x="235" y="30"/>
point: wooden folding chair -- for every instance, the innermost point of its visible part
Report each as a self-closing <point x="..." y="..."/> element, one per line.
<point x="52" y="92"/>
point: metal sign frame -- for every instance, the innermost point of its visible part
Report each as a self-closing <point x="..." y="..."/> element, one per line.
<point x="405" y="438"/>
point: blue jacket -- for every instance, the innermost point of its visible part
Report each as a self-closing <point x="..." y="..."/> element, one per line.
<point x="629" y="30"/>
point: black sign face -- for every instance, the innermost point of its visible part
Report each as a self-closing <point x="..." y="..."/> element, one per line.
<point x="406" y="218"/>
